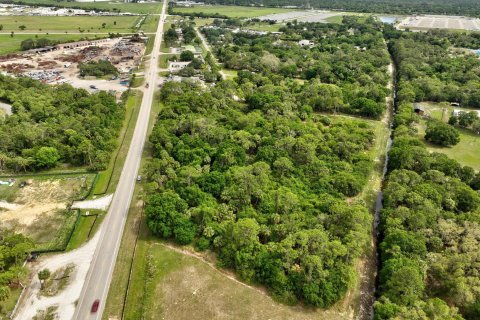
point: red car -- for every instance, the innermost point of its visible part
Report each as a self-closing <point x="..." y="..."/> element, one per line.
<point x="95" y="305"/>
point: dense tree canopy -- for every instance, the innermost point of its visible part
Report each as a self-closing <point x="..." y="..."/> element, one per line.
<point x="431" y="216"/>
<point x="263" y="183"/>
<point x="345" y="69"/>
<point x="97" y="68"/>
<point x="441" y="134"/>
<point x="56" y="124"/>
<point x="14" y="249"/>
<point x="459" y="7"/>
<point x="431" y="70"/>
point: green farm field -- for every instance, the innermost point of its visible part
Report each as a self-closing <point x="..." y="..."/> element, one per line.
<point x="119" y="6"/>
<point x="68" y="24"/>
<point x="10" y="44"/>
<point x="232" y="11"/>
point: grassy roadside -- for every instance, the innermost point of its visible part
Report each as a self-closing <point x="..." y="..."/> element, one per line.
<point x="86" y="227"/>
<point x="8" y="305"/>
<point x="163" y="60"/>
<point x="149" y="46"/>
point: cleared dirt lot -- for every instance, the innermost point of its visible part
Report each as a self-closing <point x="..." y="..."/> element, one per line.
<point x="39" y="209"/>
<point x="61" y="65"/>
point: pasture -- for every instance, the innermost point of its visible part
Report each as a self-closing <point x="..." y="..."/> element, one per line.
<point x="10" y="44"/>
<point x="231" y="11"/>
<point x="115" y="6"/>
<point x="89" y="24"/>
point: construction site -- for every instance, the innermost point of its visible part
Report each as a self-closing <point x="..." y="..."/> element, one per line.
<point x="59" y="64"/>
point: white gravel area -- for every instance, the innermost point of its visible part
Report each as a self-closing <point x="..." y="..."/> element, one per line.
<point x="65" y="300"/>
<point x="100" y="203"/>
<point x="8" y="205"/>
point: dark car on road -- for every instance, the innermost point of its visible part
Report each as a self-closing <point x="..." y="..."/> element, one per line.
<point x="95" y="305"/>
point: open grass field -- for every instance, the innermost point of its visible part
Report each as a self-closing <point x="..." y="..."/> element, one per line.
<point x="232" y="11"/>
<point x="146" y="8"/>
<point x="89" y="24"/>
<point x="262" y="26"/>
<point x="466" y="152"/>
<point x="163" y="60"/>
<point x="229" y="73"/>
<point x="200" y="22"/>
<point x="334" y="19"/>
<point x="171" y="284"/>
<point x="150" y="24"/>
<point x="10" y="44"/>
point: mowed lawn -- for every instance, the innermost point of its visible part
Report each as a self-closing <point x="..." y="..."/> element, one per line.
<point x="119" y="6"/>
<point x="10" y="44"/>
<point x="232" y="11"/>
<point x="466" y="152"/>
<point x="68" y="24"/>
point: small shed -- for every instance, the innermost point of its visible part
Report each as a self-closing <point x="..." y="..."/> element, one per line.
<point x="305" y="43"/>
<point x="418" y="109"/>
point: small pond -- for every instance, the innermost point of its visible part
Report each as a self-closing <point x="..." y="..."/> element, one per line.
<point x="389" y="20"/>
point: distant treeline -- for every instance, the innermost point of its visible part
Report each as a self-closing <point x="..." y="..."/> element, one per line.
<point x="459" y="7"/>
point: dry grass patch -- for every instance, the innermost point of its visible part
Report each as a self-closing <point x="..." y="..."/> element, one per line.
<point x="182" y="286"/>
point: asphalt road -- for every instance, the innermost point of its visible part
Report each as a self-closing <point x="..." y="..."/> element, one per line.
<point x="99" y="276"/>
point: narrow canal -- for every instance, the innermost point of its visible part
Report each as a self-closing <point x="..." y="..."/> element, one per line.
<point x="372" y="268"/>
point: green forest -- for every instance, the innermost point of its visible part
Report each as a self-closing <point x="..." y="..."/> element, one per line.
<point x="54" y="125"/>
<point x="459" y="7"/>
<point x="430" y="221"/>
<point x="346" y="69"/>
<point x="14" y="249"/>
<point x="253" y="171"/>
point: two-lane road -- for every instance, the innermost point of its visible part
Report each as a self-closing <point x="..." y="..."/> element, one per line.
<point x="99" y="276"/>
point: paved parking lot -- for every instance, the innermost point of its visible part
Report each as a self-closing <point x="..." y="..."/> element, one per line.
<point x="440" y="22"/>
